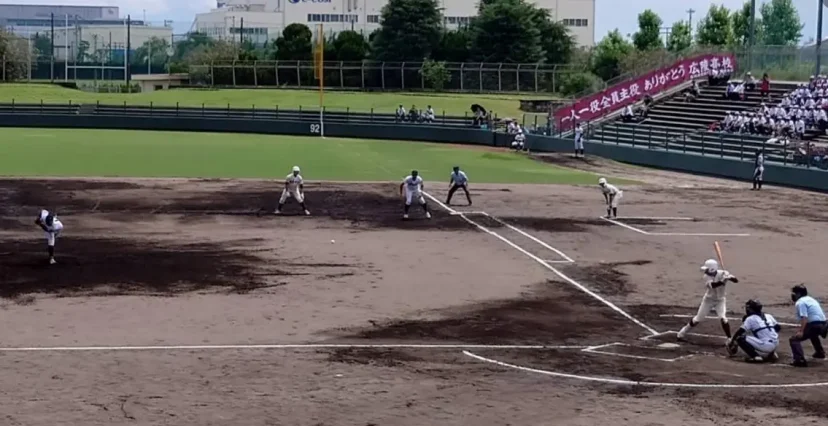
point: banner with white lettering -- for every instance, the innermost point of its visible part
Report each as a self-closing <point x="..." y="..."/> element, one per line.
<point x="629" y="92"/>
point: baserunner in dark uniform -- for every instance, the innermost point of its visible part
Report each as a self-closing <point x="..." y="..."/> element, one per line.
<point x="459" y="180"/>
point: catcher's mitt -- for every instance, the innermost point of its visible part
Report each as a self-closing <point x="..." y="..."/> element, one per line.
<point x="732" y="347"/>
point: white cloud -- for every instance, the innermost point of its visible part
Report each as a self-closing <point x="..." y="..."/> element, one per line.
<point x="156" y="10"/>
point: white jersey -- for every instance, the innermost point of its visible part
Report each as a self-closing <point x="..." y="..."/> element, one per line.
<point x="610" y="190"/>
<point x="579" y="133"/>
<point x="293" y="182"/>
<point x="717" y="293"/>
<point x="413" y="184"/>
<point x="762" y="329"/>
<point x="459" y="178"/>
<point x="56" y="224"/>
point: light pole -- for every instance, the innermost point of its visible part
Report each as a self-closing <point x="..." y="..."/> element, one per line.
<point x="752" y="33"/>
<point x="820" y="5"/>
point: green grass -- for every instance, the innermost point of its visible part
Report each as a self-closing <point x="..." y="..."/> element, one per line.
<point x="387" y="102"/>
<point x="98" y="153"/>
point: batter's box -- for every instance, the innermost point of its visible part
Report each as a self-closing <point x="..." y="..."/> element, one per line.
<point x="634" y="224"/>
<point x="642" y="352"/>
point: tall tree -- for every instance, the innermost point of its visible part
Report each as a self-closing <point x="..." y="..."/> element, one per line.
<point x="609" y="52"/>
<point x="350" y="46"/>
<point x="506" y="31"/>
<point x="192" y="42"/>
<point x="15" y="51"/>
<point x="648" y="36"/>
<point x="716" y="28"/>
<point x="454" y="46"/>
<point x="741" y="26"/>
<point x="680" y="38"/>
<point x="42" y="44"/>
<point x="295" y="43"/>
<point x="409" y="30"/>
<point x="780" y="23"/>
<point x="556" y="39"/>
<point x="153" y="50"/>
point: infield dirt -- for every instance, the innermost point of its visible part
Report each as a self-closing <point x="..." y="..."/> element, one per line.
<point x="203" y="262"/>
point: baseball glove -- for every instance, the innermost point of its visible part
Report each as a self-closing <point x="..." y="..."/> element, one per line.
<point x="732" y="347"/>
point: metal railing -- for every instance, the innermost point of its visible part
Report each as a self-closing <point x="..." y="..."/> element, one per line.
<point x="737" y="146"/>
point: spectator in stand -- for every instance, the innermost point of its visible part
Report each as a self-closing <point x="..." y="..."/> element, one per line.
<point x="401" y="116"/>
<point x="628" y="115"/>
<point x="764" y="90"/>
<point x="429" y="114"/>
<point x="730" y="91"/>
<point x="694" y="89"/>
<point x="413" y="114"/>
<point x="750" y="82"/>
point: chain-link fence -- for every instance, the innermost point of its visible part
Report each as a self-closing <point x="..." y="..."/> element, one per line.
<point x="463" y="77"/>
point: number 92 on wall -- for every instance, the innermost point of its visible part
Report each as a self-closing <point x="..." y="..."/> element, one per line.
<point x="315" y="128"/>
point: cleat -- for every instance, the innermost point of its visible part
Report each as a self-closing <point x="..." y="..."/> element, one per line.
<point x="405" y="216"/>
<point x="818" y="356"/>
<point x="277" y="212"/>
<point x="800" y="363"/>
<point x="428" y="216"/>
<point x="52" y="261"/>
<point x="681" y="339"/>
<point x="307" y="213"/>
<point x="755" y="359"/>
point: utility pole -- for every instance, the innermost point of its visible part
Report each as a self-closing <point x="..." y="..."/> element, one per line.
<point x="52" y="48"/>
<point x="690" y="13"/>
<point x="752" y="33"/>
<point x="820" y="5"/>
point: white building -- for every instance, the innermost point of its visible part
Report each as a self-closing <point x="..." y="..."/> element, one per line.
<point x="105" y="38"/>
<point x="261" y="20"/>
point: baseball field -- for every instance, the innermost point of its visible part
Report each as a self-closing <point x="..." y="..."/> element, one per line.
<point x="178" y="300"/>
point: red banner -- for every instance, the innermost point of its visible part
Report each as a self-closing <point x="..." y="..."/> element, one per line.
<point x="629" y="92"/>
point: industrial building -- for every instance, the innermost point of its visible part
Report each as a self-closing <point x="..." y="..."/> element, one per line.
<point x="262" y="20"/>
<point x="97" y="31"/>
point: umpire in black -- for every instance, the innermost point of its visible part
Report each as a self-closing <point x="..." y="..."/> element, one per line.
<point x="459" y="180"/>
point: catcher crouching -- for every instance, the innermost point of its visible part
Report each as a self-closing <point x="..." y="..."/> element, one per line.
<point x="758" y="337"/>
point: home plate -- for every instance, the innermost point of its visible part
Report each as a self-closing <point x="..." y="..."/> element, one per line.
<point x="668" y="345"/>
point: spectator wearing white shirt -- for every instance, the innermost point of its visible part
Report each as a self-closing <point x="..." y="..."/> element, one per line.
<point x="429" y="114"/>
<point x="401" y="115"/>
<point x="628" y="115"/>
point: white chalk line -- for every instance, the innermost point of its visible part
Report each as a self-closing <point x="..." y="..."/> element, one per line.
<point x="686" y="219"/>
<point x="664" y="333"/>
<point x="638" y="383"/>
<point x="284" y="347"/>
<point x="784" y="324"/>
<point x="596" y="350"/>
<point x="531" y="237"/>
<point x="547" y="266"/>
<point x="671" y="234"/>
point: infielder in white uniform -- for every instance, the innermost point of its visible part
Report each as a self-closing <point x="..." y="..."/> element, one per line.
<point x="579" y="140"/>
<point x="294" y="187"/>
<point x="412" y="189"/>
<point x="715" y="280"/>
<point x="758" y="337"/>
<point x="612" y="195"/>
<point x="52" y="226"/>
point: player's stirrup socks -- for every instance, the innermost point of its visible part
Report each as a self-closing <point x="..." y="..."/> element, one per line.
<point x="726" y="328"/>
<point x="425" y="207"/>
<point x="51" y="252"/>
<point x="407" y="207"/>
<point x="615" y="211"/>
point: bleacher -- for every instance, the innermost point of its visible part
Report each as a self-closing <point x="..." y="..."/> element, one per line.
<point x="675" y="125"/>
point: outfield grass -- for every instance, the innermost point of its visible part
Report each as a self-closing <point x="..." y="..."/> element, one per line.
<point x="117" y="153"/>
<point x="386" y="102"/>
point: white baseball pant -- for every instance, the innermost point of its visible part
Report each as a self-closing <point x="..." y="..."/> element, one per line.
<point x="51" y="236"/>
<point x="413" y="196"/>
<point x="615" y="199"/>
<point x="579" y="143"/>
<point x="763" y="347"/>
<point x="295" y="193"/>
<point x="708" y="304"/>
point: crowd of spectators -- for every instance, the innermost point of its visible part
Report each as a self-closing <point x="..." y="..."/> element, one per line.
<point x="414" y="115"/>
<point x="803" y="109"/>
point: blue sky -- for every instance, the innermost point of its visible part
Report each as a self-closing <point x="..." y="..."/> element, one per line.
<point x="610" y="14"/>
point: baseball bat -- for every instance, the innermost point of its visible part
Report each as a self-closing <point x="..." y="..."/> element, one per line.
<point x="718" y="253"/>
